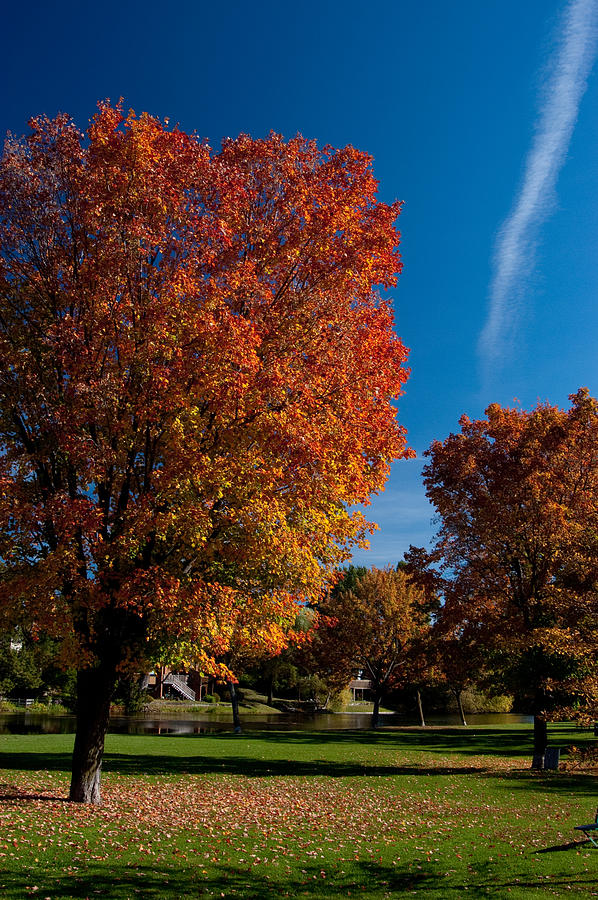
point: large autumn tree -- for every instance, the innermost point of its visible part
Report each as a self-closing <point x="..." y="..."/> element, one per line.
<point x="516" y="555"/>
<point x="196" y="373"/>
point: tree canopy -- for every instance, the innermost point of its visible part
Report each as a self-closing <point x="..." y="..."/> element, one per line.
<point x="517" y="549"/>
<point x="195" y="388"/>
<point x="371" y="621"/>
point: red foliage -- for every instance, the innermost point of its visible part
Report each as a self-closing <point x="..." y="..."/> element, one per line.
<point x="195" y="383"/>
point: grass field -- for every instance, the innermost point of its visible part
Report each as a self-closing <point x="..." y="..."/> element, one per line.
<point x="444" y="812"/>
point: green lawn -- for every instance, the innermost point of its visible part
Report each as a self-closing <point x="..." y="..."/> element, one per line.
<point x="445" y="812"/>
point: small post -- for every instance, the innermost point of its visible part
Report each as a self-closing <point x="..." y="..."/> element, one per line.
<point x="552" y="757"/>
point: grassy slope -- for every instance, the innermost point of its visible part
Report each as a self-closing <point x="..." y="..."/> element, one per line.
<point x="297" y="814"/>
<point x="169" y="709"/>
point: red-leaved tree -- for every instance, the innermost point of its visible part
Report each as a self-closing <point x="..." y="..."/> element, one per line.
<point x="195" y="387"/>
<point x="516" y="555"/>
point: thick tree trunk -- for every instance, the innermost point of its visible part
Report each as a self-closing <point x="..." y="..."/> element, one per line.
<point x="94" y="693"/>
<point x="234" y="702"/>
<point x="420" y="708"/>
<point x="376" y="711"/>
<point x="460" y="707"/>
<point x="540" y="741"/>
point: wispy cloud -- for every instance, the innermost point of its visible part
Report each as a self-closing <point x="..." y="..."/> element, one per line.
<point x="571" y="64"/>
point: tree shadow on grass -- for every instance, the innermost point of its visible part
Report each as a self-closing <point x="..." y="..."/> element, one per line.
<point x="36" y="762"/>
<point x="514" y="742"/>
<point x="552" y="783"/>
<point x="478" y="741"/>
<point x="143" y="764"/>
<point x="475" y="740"/>
<point x="116" y="881"/>
<point x="507" y="742"/>
<point x="265" y="768"/>
<point x="13" y="792"/>
<point x="249" y="766"/>
<point x="571" y="845"/>
<point x="492" y="880"/>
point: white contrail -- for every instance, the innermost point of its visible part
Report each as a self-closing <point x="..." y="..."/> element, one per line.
<point x="573" y="59"/>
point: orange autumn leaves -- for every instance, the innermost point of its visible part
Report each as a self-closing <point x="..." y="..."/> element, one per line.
<point x="196" y="379"/>
<point x="517" y="550"/>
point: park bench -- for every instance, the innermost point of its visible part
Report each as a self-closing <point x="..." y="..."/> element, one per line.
<point x="588" y="829"/>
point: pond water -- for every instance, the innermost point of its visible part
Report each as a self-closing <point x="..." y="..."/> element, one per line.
<point x="43" y="723"/>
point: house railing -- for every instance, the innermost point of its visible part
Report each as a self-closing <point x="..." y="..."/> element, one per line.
<point x="179" y="685"/>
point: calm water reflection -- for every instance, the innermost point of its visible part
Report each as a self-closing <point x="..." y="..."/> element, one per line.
<point x="41" y="723"/>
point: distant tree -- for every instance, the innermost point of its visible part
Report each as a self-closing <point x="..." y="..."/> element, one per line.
<point x="30" y="666"/>
<point x="20" y="672"/>
<point x="196" y="375"/>
<point x="458" y="659"/>
<point x="449" y="657"/>
<point x="517" y="550"/>
<point x="373" y="626"/>
<point x="255" y="641"/>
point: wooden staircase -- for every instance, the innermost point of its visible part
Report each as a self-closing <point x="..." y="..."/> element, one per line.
<point x="179" y="685"/>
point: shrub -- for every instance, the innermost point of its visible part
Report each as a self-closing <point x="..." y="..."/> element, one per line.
<point x="340" y="701"/>
<point x="40" y="707"/>
<point x="227" y="698"/>
<point x="478" y="702"/>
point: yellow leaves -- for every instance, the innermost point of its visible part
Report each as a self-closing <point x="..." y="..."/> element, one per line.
<point x="225" y="375"/>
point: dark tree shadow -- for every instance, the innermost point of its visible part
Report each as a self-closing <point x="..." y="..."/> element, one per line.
<point x="116" y="881"/>
<point x="143" y="764"/>
<point x="554" y="783"/>
<point x="197" y="764"/>
<point x="558" y="848"/>
<point x="12" y="792"/>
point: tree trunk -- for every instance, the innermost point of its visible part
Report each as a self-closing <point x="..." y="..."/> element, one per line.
<point x="540" y="741"/>
<point x="94" y="693"/>
<point x="376" y="710"/>
<point x="271" y="688"/>
<point x="234" y="701"/>
<point x="460" y="707"/>
<point x="420" y="708"/>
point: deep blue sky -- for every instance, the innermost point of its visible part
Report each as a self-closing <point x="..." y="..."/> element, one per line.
<point x="445" y="96"/>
